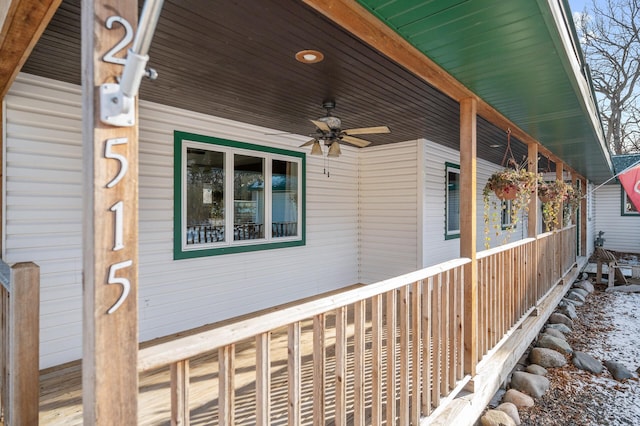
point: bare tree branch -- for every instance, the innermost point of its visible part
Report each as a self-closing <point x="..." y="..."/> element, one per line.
<point x="610" y="38"/>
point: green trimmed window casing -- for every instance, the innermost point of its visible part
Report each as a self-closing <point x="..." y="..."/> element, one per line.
<point x="234" y="197"/>
<point x="626" y="206"/>
<point x="452" y="201"/>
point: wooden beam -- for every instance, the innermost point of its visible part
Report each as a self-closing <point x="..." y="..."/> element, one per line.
<point x="22" y="23"/>
<point x="110" y="255"/>
<point x="468" y="229"/>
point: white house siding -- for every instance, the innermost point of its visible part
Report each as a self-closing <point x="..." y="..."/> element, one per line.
<point x="591" y="223"/>
<point x="43" y="222"/>
<point x="388" y="211"/>
<point x="621" y="233"/>
<point x="436" y="248"/>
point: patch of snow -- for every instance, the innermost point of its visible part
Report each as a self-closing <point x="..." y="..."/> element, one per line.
<point x="621" y="344"/>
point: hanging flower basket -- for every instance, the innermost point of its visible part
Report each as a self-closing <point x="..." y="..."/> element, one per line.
<point x="552" y="195"/>
<point x="552" y="191"/>
<point x="513" y="184"/>
<point x="509" y="183"/>
<point x="506" y="192"/>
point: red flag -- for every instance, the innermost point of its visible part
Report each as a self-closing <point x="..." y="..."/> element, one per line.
<point x="630" y="181"/>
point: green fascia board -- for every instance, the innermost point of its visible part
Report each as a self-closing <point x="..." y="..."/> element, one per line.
<point x="510" y="54"/>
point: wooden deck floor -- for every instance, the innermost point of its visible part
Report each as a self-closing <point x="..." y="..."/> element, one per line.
<point x="61" y="394"/>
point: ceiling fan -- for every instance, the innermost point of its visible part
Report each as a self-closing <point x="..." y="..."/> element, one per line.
<point x="329" y="130"/>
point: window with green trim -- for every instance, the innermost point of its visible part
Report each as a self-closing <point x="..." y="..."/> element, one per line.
<point x="233" y="197"/>
<point x="628" y="209"/>
<point x="452" y="202"/>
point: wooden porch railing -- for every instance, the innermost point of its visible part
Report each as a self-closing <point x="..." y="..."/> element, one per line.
<point x="383" y="352"/>
<point x="19" y="343"/>
<point x="513" y="278"/>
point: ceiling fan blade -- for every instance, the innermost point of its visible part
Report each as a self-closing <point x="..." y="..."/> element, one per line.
<point x="307" y="143"/>
<point x="367" y="130"/>
<point x="321" y="125"/>
<point x="355" y="141"/>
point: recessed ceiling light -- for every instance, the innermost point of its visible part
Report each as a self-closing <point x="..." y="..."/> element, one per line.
<point x="495" y="145"/>
<point x="309" y="56"/>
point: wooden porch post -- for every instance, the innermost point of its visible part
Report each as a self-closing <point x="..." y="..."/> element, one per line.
<point x="468" y="230"/>
<point x="110" y="255"/>
<point x="532" y="230"/>
<point x="560" y="176"/>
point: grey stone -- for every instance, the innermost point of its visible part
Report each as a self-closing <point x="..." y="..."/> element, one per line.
<point x="531" y="384"/>
<point x="511" y="409"/>
<point x="586" y="362"/>
<point x="496" y="418"/>
<point x="497" y="397"/>
<point x="537" y="369"/>
<point x="633" y="288"/>
<point x="547" y="358"/>
<point x="618" y="371"/>
<point x="569" y="311"/>
<point x="573" y="302"/>
<point x="550" y="342"/>
<point x="560" y="327"/>
<point x="557" y="318"/>
<point x="585" y="285"/>
<point x="582" y="292"/>
<point x="555" y="333"/>
<point x="518" y="398"/>
<point x="574" y="295"/>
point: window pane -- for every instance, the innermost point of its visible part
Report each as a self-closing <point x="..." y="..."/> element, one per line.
<point x="248" y="197"/>
<point x="453" y="202"/>
<point x="205" y="196"/>
<point x="284" y="196"/>
<point x="629" y="208"/>
<point x="506" y="214"/>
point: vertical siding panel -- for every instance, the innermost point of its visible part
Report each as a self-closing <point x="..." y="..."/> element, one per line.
<point x="388" y="203"/>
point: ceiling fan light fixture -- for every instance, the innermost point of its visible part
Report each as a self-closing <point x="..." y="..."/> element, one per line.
<point x="334" y="150"/>
<point x="309" y="56"/>
<point x="334" y="123"/>
<point x="316" y="149"/>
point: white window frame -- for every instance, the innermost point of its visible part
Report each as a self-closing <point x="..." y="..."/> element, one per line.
<point x="229" y="245"/>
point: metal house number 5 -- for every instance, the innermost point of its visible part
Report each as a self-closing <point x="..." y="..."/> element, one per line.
<point x="118" y="210"/>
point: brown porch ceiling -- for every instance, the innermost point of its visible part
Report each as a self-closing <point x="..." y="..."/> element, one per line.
<point x="236" y="60"/>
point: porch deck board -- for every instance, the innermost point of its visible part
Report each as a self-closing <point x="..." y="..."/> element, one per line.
<point x="61" y="387"/>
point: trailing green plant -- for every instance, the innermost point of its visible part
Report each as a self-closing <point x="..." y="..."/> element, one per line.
<point x="572" y="202"/>
<point x="513" y="183"/>
<point x="552" y="195"/>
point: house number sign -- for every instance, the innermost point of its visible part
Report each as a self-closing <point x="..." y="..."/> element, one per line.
<point x="118" y="229"/>
<point x="118" y="209"/>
